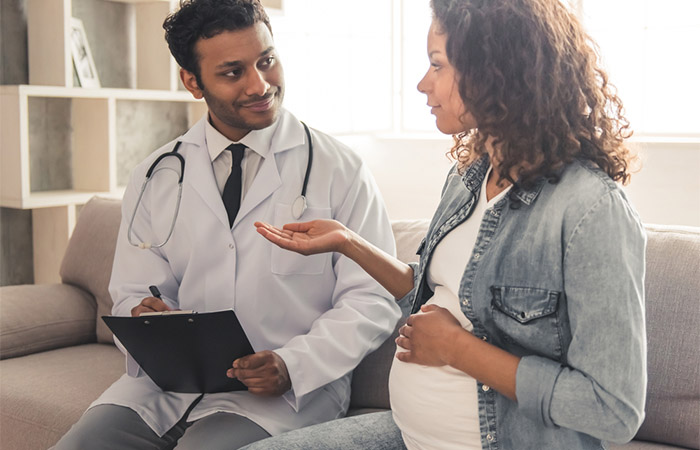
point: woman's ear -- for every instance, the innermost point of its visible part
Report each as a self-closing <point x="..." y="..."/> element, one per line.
<point x="189" y="80"/>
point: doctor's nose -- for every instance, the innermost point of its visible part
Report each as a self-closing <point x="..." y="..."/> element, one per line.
<point x="257" y="84"/>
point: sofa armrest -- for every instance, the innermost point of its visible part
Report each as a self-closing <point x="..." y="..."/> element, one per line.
<point x="34" y="318"/>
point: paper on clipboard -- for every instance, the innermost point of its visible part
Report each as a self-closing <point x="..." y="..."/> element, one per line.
<point x="187" y="353"/>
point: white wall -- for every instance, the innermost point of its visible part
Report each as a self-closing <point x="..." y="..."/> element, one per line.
<point x="667" y="189"/>
<point x="410" y="174"/>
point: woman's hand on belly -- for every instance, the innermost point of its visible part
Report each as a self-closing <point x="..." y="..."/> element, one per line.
<point x="428" y="337"/>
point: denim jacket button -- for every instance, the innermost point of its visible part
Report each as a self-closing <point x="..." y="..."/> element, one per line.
<point x="484" y="338"/>
<point x="465" y="302"/>
<point x="489" y="437"/>
<point x="485" y="388"/>
<point x="476" y="255"/>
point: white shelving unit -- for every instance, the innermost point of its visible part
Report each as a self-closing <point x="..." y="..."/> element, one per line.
<point x="93" y="123"/>
<point x="50" y="62"/>
<point x="93" y="120"/>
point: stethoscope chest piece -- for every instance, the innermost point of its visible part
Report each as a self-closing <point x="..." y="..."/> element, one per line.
<point x="298" y="207"/>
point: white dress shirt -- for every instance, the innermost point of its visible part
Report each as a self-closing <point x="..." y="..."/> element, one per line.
<point x="257" y="144"/>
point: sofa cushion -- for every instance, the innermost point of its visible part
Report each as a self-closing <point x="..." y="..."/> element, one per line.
<point x="371" y="378"/>
<point x="39" y="317"/>
<point x="87" y="262"/>
<point x="642" y="445"/>
<point x="43" y="394"/>
<point x="408" y="235"/>
<point x="672" y="304"/>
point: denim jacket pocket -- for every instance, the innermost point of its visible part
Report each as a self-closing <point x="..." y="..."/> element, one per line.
<point x="528" y="318"/>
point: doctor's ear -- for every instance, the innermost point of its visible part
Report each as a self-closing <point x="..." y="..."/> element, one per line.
<point x="189" y="80"/>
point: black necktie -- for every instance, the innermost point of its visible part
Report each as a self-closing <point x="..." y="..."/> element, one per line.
<point x="232" y="189"/>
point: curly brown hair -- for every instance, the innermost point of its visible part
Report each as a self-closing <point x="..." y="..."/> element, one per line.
<point x="531" y="77"/>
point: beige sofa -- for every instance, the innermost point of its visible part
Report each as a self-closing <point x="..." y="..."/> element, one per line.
<point x="57" y="357"/>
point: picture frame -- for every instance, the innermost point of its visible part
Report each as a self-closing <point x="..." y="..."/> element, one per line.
<point x="83" y="63"/>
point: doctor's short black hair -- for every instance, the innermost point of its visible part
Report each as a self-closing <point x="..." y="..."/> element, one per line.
<point x="203" y="19"/>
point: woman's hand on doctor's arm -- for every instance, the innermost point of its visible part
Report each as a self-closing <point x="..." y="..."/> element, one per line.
<point x="307" y="238"/>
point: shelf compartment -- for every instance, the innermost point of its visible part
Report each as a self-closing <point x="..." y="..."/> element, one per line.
<point x="88" y="128"/>
<point x="129" y="51"/>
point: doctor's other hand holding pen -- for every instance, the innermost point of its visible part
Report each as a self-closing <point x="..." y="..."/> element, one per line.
<point x="150" y="304"/>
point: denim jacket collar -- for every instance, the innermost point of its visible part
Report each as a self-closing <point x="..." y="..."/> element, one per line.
<point x="476" y="173"/>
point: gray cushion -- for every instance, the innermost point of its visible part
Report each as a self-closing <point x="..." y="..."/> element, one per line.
<point x="88" y="259"/>
<point x="672" y="309"/>
<point x="371" y="378"/>
<point x="408" y="234"/>
<point x="34" y="318"/>
<point x="641" y="445"/>
<point x="43" y="394"/>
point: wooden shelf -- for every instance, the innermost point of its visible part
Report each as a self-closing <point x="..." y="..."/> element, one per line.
<point x="93" y="128"/>
<point x="52" y="127"/>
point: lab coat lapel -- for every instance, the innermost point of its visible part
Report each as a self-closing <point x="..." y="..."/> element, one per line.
<point x="199" y="173"/>
<point x="265" y="183"/>
<point x="290" y="133"/>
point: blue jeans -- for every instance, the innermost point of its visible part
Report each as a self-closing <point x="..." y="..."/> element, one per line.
<point x="376" y="431"/>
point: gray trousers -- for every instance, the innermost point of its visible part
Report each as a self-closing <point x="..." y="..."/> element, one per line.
<point x="112" y="427"/>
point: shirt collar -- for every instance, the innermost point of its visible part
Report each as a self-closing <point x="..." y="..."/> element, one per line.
<point x="257" y="140"/>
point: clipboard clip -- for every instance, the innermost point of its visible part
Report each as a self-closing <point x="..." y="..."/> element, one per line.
<point x="167" y="313"/>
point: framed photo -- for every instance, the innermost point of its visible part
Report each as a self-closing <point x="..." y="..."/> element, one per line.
<point x="82" y="58"/>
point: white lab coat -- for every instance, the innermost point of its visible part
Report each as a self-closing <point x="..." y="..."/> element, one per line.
<point x="322" y="314"/>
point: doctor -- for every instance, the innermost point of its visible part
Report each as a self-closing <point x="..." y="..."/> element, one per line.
<point x="311" y="320"/>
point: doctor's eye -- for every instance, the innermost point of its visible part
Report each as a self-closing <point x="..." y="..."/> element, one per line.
<point x="235" y="73"/>
<point x="267" y="62"/>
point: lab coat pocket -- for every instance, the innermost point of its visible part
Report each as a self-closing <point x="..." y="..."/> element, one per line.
<point x="285" y="262"/>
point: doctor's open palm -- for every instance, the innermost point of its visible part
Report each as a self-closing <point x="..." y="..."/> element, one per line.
<point x="307" y="238"/>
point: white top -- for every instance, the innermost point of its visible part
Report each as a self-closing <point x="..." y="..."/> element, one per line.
<point x="437" y="407"/>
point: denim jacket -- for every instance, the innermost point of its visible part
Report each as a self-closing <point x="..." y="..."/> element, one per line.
<point x="556" y="278"/>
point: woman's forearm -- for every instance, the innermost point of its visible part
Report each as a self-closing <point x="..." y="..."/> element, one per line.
<point x="394" y="275"/>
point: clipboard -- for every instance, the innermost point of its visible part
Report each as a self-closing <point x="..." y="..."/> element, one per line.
<point x="187" y="353"/>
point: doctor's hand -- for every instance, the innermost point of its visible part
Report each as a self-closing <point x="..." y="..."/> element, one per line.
<point x="307" y="238"/>
<point x="149" y="304"/>
<point x="264" y="373"/>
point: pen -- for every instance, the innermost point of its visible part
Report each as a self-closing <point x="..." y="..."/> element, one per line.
<point x="155" y="292"/>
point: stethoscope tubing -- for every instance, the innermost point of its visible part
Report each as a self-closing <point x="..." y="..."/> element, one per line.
<point x="151" y="171"/>
<point x="297" y="212"/>
<point x="310" y="161"/>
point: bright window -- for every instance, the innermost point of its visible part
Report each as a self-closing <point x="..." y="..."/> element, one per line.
<point x="337" y="59"/>
<point x="651" y="49"/>
<point x="353" y="67"/>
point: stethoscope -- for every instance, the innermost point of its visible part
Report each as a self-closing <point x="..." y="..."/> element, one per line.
<point x="298" y="206"/>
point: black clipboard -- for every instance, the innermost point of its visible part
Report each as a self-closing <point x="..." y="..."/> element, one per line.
<point x="185" y="352"/>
